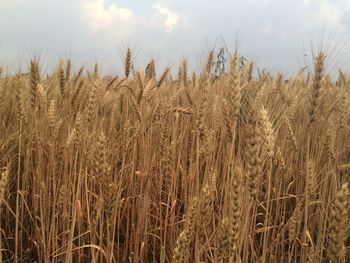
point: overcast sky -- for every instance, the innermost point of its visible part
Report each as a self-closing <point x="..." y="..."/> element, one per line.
<point x="273" y="33"/>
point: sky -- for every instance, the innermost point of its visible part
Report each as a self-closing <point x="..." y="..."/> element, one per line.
<point x="275" y="34"/>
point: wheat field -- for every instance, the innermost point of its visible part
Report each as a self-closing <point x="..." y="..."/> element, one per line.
<point x="236" y="167"/>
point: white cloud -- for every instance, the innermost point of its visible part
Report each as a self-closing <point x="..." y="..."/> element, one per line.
<point x="124" y="20"/>
<point x="329" y="14"/>
<point x="100" y="18"/>
<point x="171" y="18"/>
<point x="307" y="2"/>
<point x="326" y="11"/>
<point x="272" y="36"/>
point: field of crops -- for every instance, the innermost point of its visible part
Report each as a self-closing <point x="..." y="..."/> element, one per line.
<point x="146" y="167"/>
